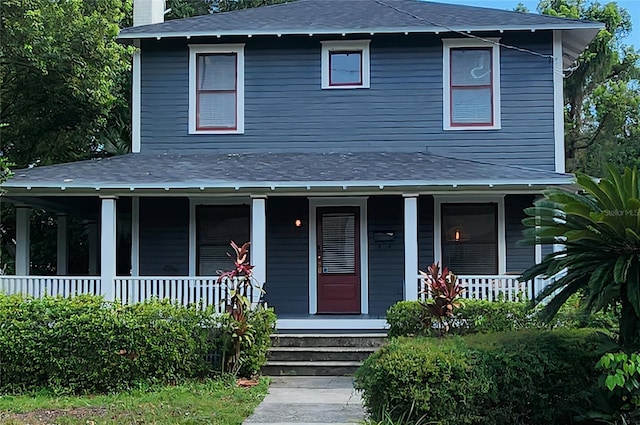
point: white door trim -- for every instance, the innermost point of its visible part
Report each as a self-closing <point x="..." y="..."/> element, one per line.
<point x="437" y="224"/>
<point x="360" y="202"/>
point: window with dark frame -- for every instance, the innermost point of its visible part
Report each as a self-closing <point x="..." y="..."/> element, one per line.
<point x="345" y="68"/>
<point x="470" y="238"/>
<point x="471" y="87"/>
<point x="216" y="227"/>
<point x="216" y="91"/>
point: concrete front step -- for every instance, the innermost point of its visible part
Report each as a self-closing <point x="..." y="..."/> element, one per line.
<point x="315" y="354"/>
<point x="323" y="354"/>
<point x="306" y="368"/>
<point x="328" y="340"/>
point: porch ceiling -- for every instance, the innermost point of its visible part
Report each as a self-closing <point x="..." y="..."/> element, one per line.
<point x="275" y="171"/>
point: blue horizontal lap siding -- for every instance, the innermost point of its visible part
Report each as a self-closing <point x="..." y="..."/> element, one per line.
<point x="425" y="232"/>
<point x="386" y="259"/>
<point x="285" y="108"/>
<point x="164" y="236"/>
<point x="287" y="286"/>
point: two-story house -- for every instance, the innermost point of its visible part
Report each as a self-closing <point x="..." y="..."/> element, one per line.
<point x="353" y="142"/>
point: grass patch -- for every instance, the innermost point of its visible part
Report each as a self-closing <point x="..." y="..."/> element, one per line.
<point x="210" y="402"/>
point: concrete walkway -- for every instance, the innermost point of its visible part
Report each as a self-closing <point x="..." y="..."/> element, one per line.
<point x="309" y="400"/>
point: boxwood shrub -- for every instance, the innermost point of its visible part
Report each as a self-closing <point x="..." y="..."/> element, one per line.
<point x="478" y="316"/>
<point x="83" y="344"/>
<point x="528" y="377"/>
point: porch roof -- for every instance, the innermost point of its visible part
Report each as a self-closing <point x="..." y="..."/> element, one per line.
<point x="267" y="172"/>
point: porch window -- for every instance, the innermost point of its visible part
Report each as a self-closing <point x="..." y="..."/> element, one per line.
<point x="345" y="64"/>
<point x="470" y="238"/>
<point x="216" y="98"/>
<point x="217" y="226"/>
<point x="471" y="85"/>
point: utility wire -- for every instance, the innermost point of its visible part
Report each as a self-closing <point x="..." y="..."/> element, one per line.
<point x="469" y="35"/>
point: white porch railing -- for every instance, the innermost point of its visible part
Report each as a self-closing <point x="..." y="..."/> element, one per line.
<point x="184" y="290"/>
<point x="493" y="288"/>
<point x="39" y="286"/>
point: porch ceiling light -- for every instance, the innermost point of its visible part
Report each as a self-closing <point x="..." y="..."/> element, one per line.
<point x="298" y="222"/>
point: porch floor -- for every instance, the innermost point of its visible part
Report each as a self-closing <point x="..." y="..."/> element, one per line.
<point x="331" y="323"/>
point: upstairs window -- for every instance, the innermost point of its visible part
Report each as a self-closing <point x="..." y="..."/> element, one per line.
<point x="345" y="64"/>
<point x="471" y="85"/>
<point x="216" y="89"/>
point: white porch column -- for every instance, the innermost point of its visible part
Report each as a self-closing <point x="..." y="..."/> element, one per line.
<point x="92" y="242"/>
<point x="108" y="247"/>
<point x="410" y="247"/>
<point x="23" y="242"/>
<point x="62" y="248"/>
<point x="135" y="236"/>
<point x="259" y="241"/>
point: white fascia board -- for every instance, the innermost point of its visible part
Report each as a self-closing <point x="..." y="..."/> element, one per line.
<point x="296" y="184"/>
<point x="333" y="31"/>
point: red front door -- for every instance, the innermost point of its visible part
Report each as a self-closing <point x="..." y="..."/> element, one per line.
<point x="338" y="254"/>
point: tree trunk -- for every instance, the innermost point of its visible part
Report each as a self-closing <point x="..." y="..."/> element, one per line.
<point x="629" y="323"/>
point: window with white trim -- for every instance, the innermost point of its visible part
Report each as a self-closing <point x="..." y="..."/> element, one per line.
<point x="216" y="227"/>
<point x="216" y="89"/>
<point x="470" y="238"/>
<point x="471" y="84"/>
<point x="345" y="64"/>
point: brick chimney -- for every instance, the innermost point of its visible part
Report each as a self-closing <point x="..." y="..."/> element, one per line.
<point x="147" y="12"/>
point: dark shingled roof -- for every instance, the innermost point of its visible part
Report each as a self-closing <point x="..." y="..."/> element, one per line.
<point x="334" y="17"/>
<point x="281" y="170"/>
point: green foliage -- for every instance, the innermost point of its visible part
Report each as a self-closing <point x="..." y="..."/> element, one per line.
<point x="602" y="95"/>
<point x="83" y="344"/>
<point x="217" y="401"/>
<point x="598" y="229"/>
<point x="253" y="356"/>
<point x="239" y="284"/>
<point x="539" y="377"/>
<point x="436" y="378"/>
<point x="405" y="318"/>
<point x="443" y="291"/>
<point x="59" y="65"/>
<point x="188" y="8"/>
<point x="529" y="377"/>
<point x="617" y="400"/>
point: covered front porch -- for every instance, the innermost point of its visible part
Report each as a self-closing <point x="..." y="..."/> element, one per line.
<point x="330" y="255"/>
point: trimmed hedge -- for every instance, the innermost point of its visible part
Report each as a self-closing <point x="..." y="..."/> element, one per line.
<point x="529" y="377"/>
<point x="478" y="316"/>
<point x="83" y="344"/>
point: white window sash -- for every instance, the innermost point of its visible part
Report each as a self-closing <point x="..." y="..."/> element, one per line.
<point x="448" y="46"/>
<point x="200" y="49"/>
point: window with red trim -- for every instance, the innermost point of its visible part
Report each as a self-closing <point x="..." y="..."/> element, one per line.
<point x="471" y="87"/>
<point x="216" y="91"/>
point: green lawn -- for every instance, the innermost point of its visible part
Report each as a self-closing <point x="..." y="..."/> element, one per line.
<point x="210" y="402"/>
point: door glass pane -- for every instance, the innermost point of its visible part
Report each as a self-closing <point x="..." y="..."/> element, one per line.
<point x="338" y="243"/>
<point x="346" y="67"/>
<point x="470" y="238"/>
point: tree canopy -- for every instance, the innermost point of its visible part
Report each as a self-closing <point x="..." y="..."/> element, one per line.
<point x="60" y="66"/>
<point x="602" y="93"/>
